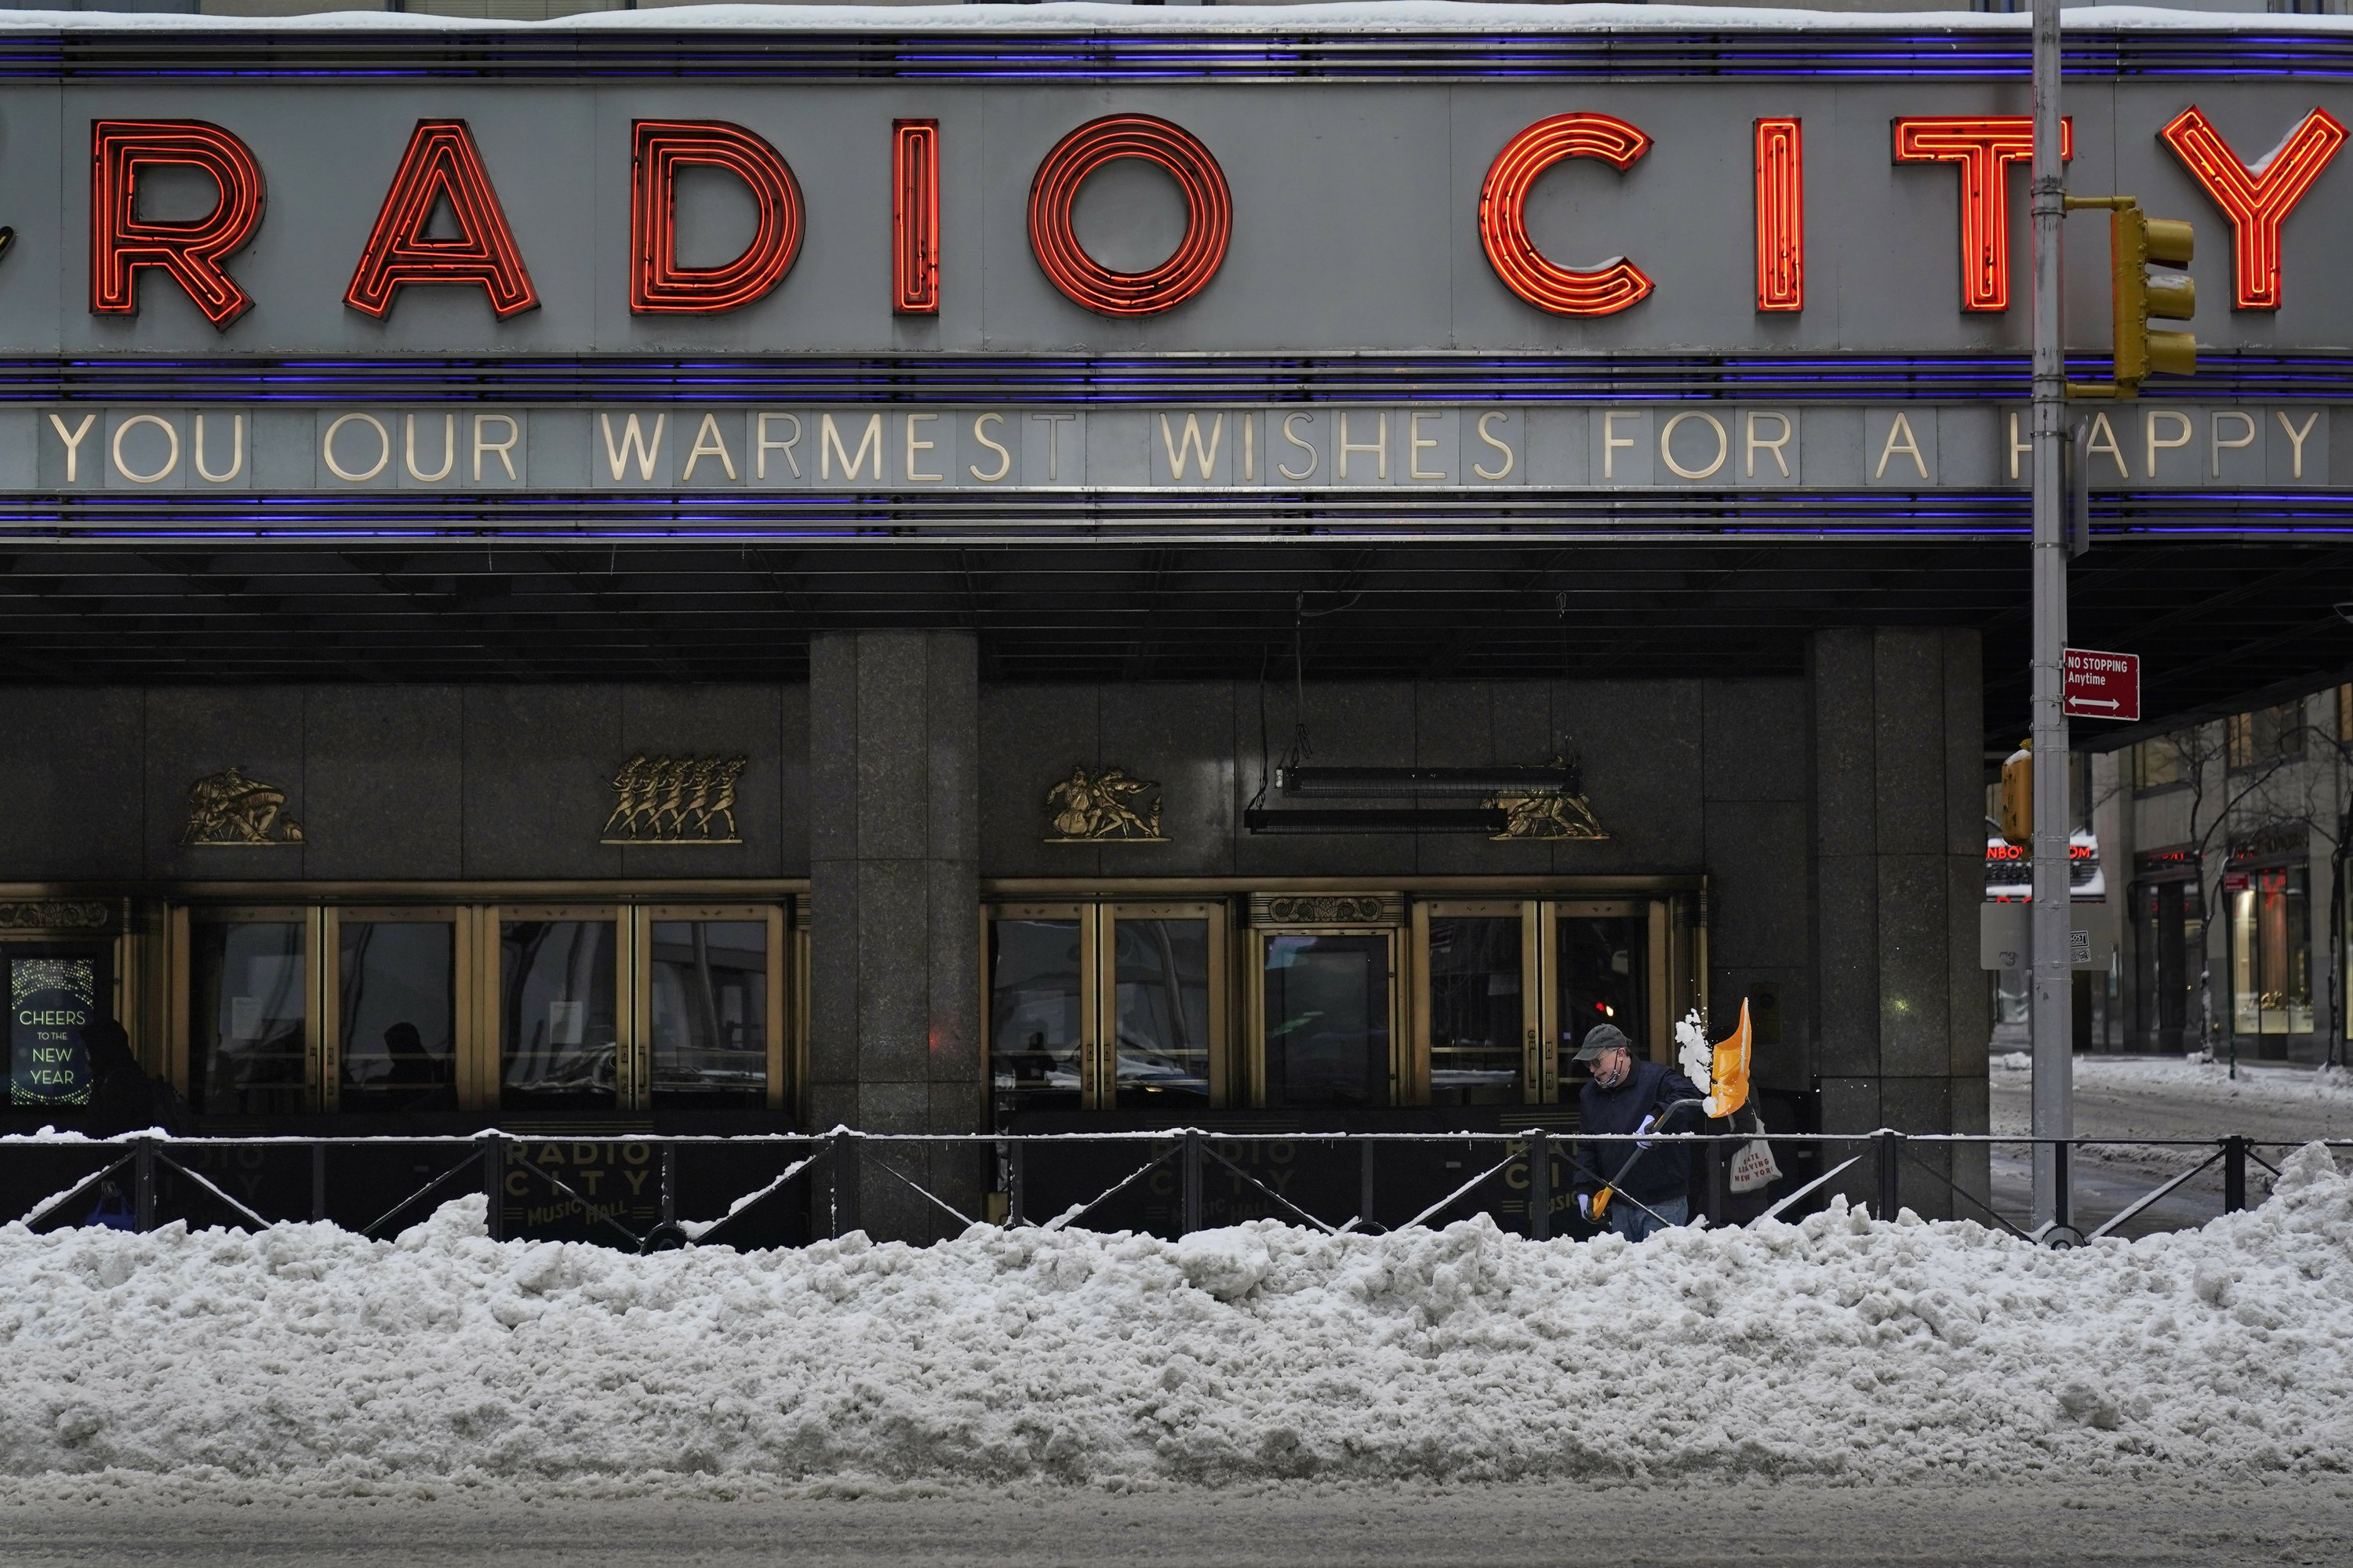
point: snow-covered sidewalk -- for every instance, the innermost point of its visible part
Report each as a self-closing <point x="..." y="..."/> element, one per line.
<point x="2257" y="1083"/>
<point x="305" y="1359"/>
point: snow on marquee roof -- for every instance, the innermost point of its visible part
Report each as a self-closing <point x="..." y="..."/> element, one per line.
<point x="1421" y="16"/>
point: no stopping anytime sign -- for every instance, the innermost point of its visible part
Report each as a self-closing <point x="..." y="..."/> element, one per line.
<point x="2101" y="686"/>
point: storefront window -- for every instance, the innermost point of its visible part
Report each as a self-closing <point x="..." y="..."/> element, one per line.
<point x="1476" y="1010"/>
<point x="1602" y="962"/>
<point x="556" y="1015"/>
<point x="710" y="1012"/>
<point x="1162" y="995"/>
<point x="1036" y="1015"/>
<point x="1327" y="1020"/>
<point x="247" y="1051"/>
<point x="399" y="1015"/>
<point x="2270" y="952"/>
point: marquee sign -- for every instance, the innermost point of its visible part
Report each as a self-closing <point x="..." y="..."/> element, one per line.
<point x="479" y="449"/>
<point x="797" y="281"/>
<point x="1748" y="214"/>
<point x="442" y="169"/>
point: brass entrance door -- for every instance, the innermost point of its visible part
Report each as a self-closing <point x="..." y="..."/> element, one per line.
<point x="1104" y="1005"/>
<point x="1477" y="1003"/>
<point x="1504" y="991"/>
<point x="1606" y="961"/>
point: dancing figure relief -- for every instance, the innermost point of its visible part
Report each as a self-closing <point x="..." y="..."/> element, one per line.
<point x="674" y="800"/>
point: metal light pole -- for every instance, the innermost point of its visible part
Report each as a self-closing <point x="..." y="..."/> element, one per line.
<point x="2055" y="1066"/>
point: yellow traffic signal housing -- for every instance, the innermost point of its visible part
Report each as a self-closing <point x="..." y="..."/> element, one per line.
<point x="2137" y="242"/>
<point x="2017" y="819"/>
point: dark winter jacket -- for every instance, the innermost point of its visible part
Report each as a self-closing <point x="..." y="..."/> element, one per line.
<point x="123" y="1098"/>
<point x="1659" y="1174"/>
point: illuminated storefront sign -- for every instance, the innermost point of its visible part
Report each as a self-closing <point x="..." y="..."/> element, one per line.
<point x="2010" y="871"/>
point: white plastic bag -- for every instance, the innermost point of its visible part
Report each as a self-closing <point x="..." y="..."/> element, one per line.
<point x="1753" y="1166"/>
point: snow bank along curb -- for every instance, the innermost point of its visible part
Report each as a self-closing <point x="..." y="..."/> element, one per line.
<point x="1839" y="1347"/>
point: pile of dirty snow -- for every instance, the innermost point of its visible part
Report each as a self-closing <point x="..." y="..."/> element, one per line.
<point x="305" y="1358"/>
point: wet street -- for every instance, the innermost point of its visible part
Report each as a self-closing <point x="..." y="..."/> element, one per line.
<point x="2129" y="1098"/>
<point x="2176" y="1521"/>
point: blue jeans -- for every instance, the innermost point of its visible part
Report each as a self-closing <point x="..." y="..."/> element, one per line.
<point x="1635" y="1225"/>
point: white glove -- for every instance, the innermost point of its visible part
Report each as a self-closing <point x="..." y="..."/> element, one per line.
<point x="1584" y="1207"/>
<point x="1648" y="1123"/>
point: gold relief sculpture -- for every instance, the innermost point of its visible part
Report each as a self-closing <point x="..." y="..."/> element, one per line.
<point x="1545" y="816"/>
<point x="1095" y="808"/>
<point x="674" y="800"/>
<point x="55" y="914"/>
<point x="228" y="809"/>
<point x="1560" y="813"/>
<point x="1324" y="910"/>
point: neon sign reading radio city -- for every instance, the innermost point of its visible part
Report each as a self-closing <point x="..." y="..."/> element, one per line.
<point x="443" y="169"/>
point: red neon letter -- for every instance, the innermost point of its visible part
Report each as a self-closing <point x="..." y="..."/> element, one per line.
<point x="658" y="148"/>
<point x="1503" y="218"/>
<point x="1984" y="148"/>
<point x="915" y="216"/>
<point x="122" y="242"/>
<point x="1780" y="216"/>
<point x="441" y="162"/>
<point x="2256" y="199"/>
<point x="1209" y="215"/>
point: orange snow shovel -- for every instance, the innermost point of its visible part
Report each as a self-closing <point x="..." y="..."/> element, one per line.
<point x="1727" y="1092"/>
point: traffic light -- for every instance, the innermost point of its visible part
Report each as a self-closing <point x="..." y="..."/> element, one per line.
<point x="2017" y="819"/>
<point x="2136" y="243"/>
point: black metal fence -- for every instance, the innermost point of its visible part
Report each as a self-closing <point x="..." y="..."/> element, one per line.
<point x="652" y="1194"/>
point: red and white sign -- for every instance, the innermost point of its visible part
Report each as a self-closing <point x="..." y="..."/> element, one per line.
<point x="2101" y="686"/>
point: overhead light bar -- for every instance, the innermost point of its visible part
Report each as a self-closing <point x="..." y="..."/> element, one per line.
<point x="1374" y="819"/>
<point x="1363" y="783"/>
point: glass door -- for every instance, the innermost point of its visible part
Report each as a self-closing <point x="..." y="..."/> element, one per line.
<point x="1103" y="1006"/>
<point x="1164" y="980"/>
<point x="1476" y="1012"/>
<point x="253" y="1038"/>
<point x="1324" y="1001"/>
<point x="557" y="1009"/>
<point x="391" y="1039"/>
<point x="1043" y="1006"/>
<point x="712" y="1006"/>
<point x="1606" y="963"/>
<point x="2171" y="928"/>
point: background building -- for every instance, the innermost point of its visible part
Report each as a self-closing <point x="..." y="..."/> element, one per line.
<point x="2234" y="827"/>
